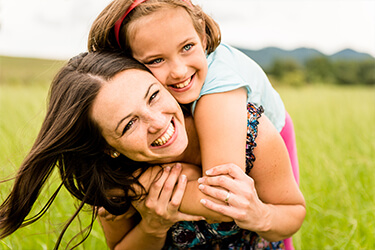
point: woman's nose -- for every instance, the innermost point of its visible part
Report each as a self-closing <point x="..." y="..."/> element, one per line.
<point x="156" y="122"/>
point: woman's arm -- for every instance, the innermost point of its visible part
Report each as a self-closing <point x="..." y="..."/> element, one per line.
<point x="146" y="223"/>
<point x="268" y="201"/>
<point x="190" y="203"/>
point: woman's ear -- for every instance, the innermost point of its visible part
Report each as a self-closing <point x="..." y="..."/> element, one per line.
<point x="112" y="152"/>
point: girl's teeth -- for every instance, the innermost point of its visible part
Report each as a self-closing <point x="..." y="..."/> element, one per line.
<point x="162" y="140"/>
<point x="182" y="85"/>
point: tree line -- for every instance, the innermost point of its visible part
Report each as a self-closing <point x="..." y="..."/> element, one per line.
<point x="323" y="70"/>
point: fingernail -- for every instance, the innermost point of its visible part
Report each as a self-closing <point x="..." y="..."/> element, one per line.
<point x="208" y="172"/>
<point x="178" y="166"/>
<point x="167" y="169"/>
<point x="203" y="201"/>
<point x="200" y="180"/>
<point x="183" y="177"/>
<point x="201" y="186"/>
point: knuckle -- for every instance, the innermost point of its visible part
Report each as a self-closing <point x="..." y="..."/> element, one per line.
<point x="149" y="204"/>
<point x="220" y="209"/>
<point x="174" y="204"/>
<point x="168" y="187"/>
<point x="241" y="215"/>
<point x="221" y="180"/>
<point x="157" y="185"/>
<point x="159" y="212"/>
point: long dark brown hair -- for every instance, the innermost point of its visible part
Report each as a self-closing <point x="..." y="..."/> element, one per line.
<point x="102" y="37"/>
<point x="71" y="141"/>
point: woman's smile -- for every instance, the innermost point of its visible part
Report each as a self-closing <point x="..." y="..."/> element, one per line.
<point x="167" y="137"/>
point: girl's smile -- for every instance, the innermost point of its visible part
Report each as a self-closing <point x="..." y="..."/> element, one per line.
<point x="182" y="86"/>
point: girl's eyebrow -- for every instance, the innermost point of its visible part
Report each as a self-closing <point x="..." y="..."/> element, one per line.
<point x="186" y="40"/>
<point x="145" y="97"/>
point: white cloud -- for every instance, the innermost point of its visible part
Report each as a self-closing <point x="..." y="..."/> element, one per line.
<point x="59" y="28"/>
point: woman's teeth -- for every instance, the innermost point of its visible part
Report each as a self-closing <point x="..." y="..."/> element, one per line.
<point x="182" y="85"/>
<point x="164" y="138"/>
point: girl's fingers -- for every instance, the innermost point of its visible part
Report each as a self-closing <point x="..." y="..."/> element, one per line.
<point x="222" y="209"/>
<point x="215" y="192"/>
<point x="223" y="181"/>
<point x="226" y="169"/>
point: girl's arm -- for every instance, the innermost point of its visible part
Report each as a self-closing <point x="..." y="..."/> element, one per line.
<point x="190" y="204"/>
<point x="268" y="201"/>
<point x="221" y="124"/>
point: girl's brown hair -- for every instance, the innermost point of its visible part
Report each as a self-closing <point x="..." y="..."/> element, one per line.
<point x="72" y="142"/>
<point x="102" y="37"/>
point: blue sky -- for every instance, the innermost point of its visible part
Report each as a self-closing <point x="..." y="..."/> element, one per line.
<point x="59" y="28"/>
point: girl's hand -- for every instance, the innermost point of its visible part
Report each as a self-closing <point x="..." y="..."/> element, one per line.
<point x="160" y="209"/>
<point x="236" y="189"/>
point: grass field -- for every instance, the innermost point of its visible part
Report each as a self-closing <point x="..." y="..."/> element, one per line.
<point x="335" y="129"/>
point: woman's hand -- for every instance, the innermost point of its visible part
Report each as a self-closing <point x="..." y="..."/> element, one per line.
<point x="160" y="209"/>
<point x="230" y="184"/>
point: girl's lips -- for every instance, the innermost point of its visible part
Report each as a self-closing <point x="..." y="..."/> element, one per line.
<point x="167" y="138"/>
<point x="184" y="86"/>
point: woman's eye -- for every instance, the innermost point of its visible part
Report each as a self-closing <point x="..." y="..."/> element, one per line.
<point x="128" y="126"/>
<point x="154" y="95"/>
<point x="188" y="47"/>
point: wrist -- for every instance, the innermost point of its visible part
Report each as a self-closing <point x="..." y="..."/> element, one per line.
<point x="266" y="223"/>
<point x="150" y="231"/>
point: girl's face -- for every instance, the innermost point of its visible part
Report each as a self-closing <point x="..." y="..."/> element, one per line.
<point x="139" y="118"/>
<point x="168" y="44"/>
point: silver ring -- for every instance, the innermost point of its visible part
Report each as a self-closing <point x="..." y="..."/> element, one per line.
<point x="227" y="198"/>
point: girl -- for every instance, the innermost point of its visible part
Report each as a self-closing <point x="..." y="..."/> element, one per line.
<point x="91" y="101"/>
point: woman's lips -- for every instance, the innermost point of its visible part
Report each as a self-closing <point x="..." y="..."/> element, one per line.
<point x="166" y="137"/>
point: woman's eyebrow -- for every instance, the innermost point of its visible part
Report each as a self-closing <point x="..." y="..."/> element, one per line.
<point x="119" y="123"/>
<point x="148" y="90"/>
<point x="147" y="93"/>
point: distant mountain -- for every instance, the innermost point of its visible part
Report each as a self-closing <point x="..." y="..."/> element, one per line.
<point x="349" y="54"/>
<point x="266" y="56"/>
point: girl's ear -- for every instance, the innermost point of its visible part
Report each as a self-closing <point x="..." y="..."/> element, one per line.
<point x="112" y="152"/>
<point x="204" y="35"/>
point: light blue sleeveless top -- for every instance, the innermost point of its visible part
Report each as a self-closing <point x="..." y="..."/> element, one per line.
<point x="229" y="69"/>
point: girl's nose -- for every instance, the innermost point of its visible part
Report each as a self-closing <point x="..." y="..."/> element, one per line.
<point x="178" y="69"/>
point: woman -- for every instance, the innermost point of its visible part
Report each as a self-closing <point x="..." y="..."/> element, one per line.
<point x="96" y="113"/>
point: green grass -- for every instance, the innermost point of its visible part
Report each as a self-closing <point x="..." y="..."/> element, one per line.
<point x="336" y="147"/>
<point x="335" y="130"/>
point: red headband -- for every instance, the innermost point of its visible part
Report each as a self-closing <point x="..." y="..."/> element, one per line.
<point x="131" y="7"/>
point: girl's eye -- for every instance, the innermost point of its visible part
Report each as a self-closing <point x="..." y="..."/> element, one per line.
<point x="188" y="47"/>
<point x="128" y="126"/>
<point x="156" y="61"/>
<point x="154" y="95"/>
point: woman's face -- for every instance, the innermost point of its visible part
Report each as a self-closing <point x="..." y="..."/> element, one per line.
<point x="140" y="118"/>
